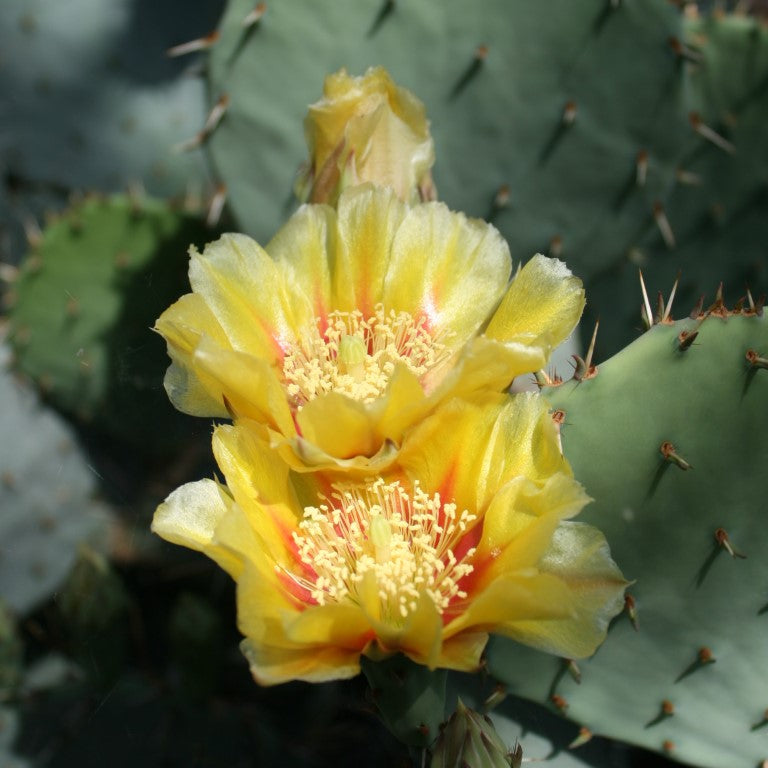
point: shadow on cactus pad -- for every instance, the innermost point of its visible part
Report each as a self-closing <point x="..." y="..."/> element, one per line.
<point x="84" y="304"/>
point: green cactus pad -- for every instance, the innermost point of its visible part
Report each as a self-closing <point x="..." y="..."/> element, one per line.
<point x="84" y="304"/>
<point x="690" y="678"/>
<point x="596" y="191"/>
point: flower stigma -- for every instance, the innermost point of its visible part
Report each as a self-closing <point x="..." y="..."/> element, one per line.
<point x="356" y="356"/>
<point x="380" y="534"/>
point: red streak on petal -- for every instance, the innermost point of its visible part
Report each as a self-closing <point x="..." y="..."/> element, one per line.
<point x="301" y="595"/>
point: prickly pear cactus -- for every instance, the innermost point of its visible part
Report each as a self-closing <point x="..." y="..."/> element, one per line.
<point x="82" y="308"/>
<point x="667" y="437"/>
<point x="604" y="135"/>
<point x="46" y="495"/>
<point x="97" y="104"/>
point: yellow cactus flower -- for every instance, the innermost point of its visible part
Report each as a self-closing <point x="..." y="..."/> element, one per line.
<point x="354" y="324"/>
<point x="467" y="534"/>
<point x="367" y="129"/>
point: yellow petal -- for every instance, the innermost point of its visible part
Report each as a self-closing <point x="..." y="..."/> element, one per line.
<point x="487" y="364"/>
<point x="249" y="386"/>
<point x="541" y="307"/>
<point x="183" y="325"/>
<point x="447" y="268"/>
<point x="190" y="517"/>
<point x="307" y="243"/>
<point x="469" y="449"/>
<point x="522" y="518"/>
<point x="256" y="301"/>
<point x="463" y="651"/>
<point x="368" y="220"/>
<point x="273" y="664"/>
<point x="579" y="556"/>
<point x="339" y="426"/>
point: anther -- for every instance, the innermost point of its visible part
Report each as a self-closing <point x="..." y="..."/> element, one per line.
<point x="641" y="168"/>
<point x="709" y="134"/>
<point x="755" y="360"/>
<point x="667" y="708"/>
<point x="668" y="452"/>
<point x="668" y="746"/>
<point x="662" y="222"/>
<point x="583" y="737"/>
<point x="559" y="702"/>
<point x="569" y="113"/>
<point x="630" y="606"/>
<point x="255" y="15"/>
<point x="705" y="656"/>
<point x="481" y="53"/>
<point x="199" y="44"/>
<point x="556" y="246"/>
<point x="722" y="538"/>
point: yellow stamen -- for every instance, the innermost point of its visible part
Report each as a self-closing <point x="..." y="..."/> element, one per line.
<point x="356" y="356"/>
<point x="404" y="541"/>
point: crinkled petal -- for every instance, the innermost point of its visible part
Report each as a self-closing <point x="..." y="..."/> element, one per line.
<point x="463" y="652"/>
<point x="339" y="426"/>
<point x="541" y="307"/>
<point x="248" y="386"/>
<point x="469" y="449"/>
<point x="307" y="243"/>
<point x="448" y="269"/>
<point x="368" y="220"/>
<point x="272" y="664"/>
<point x="183" y="325"/>
<point x="521" y="520"/>
<point x="190" y="517"/>
<point x="256" y="301"/>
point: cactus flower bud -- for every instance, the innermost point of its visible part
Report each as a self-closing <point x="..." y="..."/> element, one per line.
<point x="367" y="129"/>
<point x="469" y="739"/>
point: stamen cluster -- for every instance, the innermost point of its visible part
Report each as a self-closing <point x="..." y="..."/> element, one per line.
<point x="403" y="542"/>
<point x="356" y="356"/>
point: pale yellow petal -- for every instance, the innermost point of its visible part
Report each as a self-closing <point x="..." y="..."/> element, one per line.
<point x="487" y="364"/>
<point x="183" y="325"/>
<point x="521" y="520"/>
<point x="339" y="426"/>
<point x="463" y="651"/>
<point x="256" y="301"/>
<point x="448" y="269"/>
<point x="307" y="243"/>
<point x="541" y="307"/>
<point x="579" y="556"/>
<point x="470" y="448"/>
<point x="368" y="220"/>
<point x="190" y="517"/>
<point x="248" y="386"/>
<point x="274" y="664"/>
